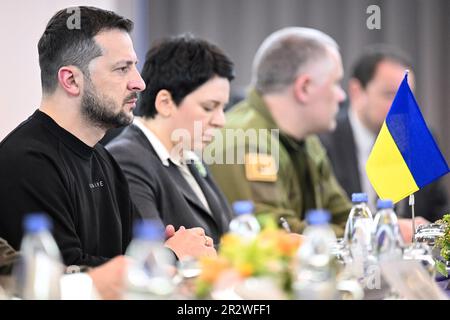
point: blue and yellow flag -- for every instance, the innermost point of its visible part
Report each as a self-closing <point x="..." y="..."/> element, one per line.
<point x="405" y="156"/>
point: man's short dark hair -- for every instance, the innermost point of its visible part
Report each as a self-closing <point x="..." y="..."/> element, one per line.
<point x="65" y="44"/>
<point x="180" y="65"/>
<point x="365" y="67"/>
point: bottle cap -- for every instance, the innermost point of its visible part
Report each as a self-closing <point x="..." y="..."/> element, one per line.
<point x="36" y="222"/>
<point x="243" y="207"/>
<point x="148" y="230"/>
<point x="385" y="204"/>
<point x="318" y="216"/>
<point x="359" y="197"/>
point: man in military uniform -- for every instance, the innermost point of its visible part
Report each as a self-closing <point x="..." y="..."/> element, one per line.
<point x="270" y="152"/>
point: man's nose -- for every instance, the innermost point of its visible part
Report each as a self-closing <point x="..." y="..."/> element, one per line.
<point x="137" y="83"/>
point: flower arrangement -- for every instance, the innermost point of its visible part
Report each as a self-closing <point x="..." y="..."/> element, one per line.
<point x="443" y="243"/>
<point x="271" y="254"/>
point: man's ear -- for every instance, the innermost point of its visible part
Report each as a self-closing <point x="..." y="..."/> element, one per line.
<point x="164" y="104"/>
<point x="70" y="79"/>
<point x="302" y="88"/>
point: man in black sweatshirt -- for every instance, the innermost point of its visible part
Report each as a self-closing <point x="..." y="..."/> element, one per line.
<point x="53" y="163"/>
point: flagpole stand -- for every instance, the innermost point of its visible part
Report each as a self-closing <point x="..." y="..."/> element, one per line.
<point x="413" y="218"/>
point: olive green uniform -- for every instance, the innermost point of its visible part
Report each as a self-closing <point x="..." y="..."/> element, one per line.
<point x="304" y="179"/>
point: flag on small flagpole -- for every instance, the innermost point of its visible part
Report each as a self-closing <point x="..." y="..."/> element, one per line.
<point x="405" y="156"/>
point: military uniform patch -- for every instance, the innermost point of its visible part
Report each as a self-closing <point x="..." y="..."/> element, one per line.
<point x="260" y="167"/>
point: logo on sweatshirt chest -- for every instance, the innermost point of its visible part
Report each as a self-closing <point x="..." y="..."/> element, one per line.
<point x="96" y="184"/>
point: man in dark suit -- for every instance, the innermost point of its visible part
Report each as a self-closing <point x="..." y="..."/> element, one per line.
<point x="375" y="79"/>
<point x="188" y="85"/>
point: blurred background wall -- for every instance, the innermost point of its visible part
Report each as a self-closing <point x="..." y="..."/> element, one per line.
<point x="22" y="23"/>
<point x="419" y="27"/>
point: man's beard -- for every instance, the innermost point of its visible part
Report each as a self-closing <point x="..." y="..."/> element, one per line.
<point x="99" y="110"/>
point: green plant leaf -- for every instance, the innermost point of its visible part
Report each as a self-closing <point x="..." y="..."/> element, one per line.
<point x="441" y="268"/>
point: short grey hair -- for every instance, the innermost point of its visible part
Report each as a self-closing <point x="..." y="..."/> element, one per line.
<point x="285" y="54"/>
